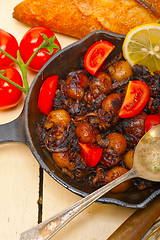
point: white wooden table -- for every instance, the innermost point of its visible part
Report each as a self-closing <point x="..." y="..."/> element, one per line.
<point x="19" y="178"/>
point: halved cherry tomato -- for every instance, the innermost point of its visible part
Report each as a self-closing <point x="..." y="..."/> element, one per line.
<point x="136" y="98"/>
<point x="90" y="153"/>
<point x="9" y="44"/>
<point x="31" y="41"/>
<point x="47" y="93"/>
<point x="9" y="94"/>
<point x="151" y="121"/>
<point x="96" y="55"/>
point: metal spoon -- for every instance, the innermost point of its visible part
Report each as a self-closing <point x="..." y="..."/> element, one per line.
<point x="146" y="165"/>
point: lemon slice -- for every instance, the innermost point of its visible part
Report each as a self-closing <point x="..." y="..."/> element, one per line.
<point x="142" y="46"/>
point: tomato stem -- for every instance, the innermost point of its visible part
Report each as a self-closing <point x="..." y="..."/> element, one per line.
<point x="20" y="63"/>
<point x="14" y="84"/>
<point x="8" y="55"/>
<point x="35" y="52"/>
<point x="23" y="68"/>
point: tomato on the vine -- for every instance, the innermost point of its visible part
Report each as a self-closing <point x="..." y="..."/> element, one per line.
<point x="136" y="98"/>
<point x="96" y="55"/>
<point x="151" y="121"/>
<point x="9" y="94"/>
<point x="31" y="41"/>
<point x="9" y="44"/>
<point x="47" y="93"/>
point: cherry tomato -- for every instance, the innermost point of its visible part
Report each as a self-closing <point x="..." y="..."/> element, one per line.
<point x="9" y="94"/>
<point x="31" y="41"/>
<point x="90" y="153"/>
<point x="9" y="44"/>
<point x="47" y="93"/>
<point x="96" y="55"/>
<point x="136" y="98"/>
<point x="151" y="121"/>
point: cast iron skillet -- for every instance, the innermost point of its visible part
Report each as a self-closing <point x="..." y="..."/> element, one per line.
<point x="23" y="129"/>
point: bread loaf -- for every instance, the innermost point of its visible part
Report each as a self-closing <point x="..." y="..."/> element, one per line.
<point x="78" y="18"/>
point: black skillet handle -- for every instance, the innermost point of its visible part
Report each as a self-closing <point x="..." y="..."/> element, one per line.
<point x="13" y="131"/>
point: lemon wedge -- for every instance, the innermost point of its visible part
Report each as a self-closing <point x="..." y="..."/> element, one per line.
<point x="142" y="46"/>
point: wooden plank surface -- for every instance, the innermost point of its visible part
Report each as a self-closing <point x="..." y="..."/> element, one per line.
<point x="19" y="178"/>
<point x="97" y="222"/>
<point x="18" y="190"/>
<point x="19" y="171"/>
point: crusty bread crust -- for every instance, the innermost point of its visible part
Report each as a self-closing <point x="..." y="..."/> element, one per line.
<point x="78" y="18"/>
<point x="152" y="5"/>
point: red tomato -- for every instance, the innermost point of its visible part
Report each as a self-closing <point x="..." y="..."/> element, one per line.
<point x="151" y="121"/>
<point x="9" y="44"/>
<point x="90" y="153"/>
<point x="31" y="41"/>
<point x="136" y="98"/>
<point x="47" y="93"/>
<point x="96" y="55"/>
<point x="9" y="94"/>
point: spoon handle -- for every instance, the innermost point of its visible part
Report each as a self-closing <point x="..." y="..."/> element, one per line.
<point x="50" y="227"/>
